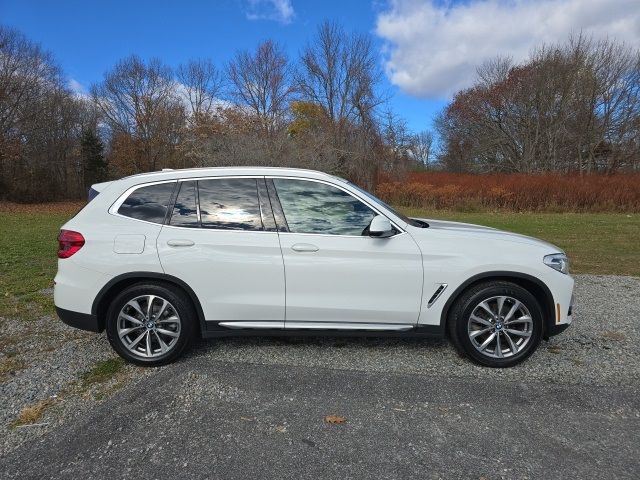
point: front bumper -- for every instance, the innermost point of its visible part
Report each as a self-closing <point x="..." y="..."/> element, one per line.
<point x="83" y="321"/>
<point x="554" y="330"/>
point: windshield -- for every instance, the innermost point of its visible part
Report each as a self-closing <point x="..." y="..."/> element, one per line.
<point x="371" y="196"/>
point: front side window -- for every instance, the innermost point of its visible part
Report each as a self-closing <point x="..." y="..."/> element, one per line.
<point x="229" y="204"/>
<point x="313" y="207"/>
<point x="148" y="203"/>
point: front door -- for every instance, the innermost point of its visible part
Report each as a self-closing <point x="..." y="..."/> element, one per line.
<point x="336" y="275"/>
<point x="221" y="240"/>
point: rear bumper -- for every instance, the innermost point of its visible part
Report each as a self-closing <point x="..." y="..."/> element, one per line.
<point x="75" y="287"/>
<point x="83" y="321"/>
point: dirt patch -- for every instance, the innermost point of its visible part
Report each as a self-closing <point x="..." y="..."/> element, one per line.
<point x="69" y="207"/>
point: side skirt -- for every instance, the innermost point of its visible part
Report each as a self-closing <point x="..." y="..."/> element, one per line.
<point x="215" y="330"/>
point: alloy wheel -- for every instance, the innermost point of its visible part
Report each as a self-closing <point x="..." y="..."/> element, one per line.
<point x="500" y="327"/>
<point x="148" y="326"/>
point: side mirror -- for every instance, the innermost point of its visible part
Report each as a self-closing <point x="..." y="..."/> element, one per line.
<point x="380" y="227"/>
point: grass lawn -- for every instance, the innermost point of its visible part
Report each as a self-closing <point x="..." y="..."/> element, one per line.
<point x="28" y="260"/>
<point x="597" y="243"/>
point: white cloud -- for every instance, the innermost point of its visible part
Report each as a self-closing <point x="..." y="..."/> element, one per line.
<point x="433" y="48"/>
<point x="278" y="10"/>
<point x="77" y="88"/>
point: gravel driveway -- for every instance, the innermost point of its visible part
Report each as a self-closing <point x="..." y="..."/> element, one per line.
<point x="601" y="350"/>
<point x="602" y="347"/>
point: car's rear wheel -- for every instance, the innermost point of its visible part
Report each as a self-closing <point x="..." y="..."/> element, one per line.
<point x="496" y="324"/>
<point x="150" y="324"/>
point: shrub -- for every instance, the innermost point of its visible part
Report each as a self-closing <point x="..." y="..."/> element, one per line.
<point x="514" y="192"/>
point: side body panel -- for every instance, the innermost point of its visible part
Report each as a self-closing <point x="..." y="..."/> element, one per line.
<point x="352" y="279"/>
<point x="453" y="258"/>
<point x="237" y="275"/>
<point x="81" y="277"/>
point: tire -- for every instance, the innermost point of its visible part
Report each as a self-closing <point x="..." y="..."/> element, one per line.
<point x="471" y="325"/>
<point x="137" y="338"/>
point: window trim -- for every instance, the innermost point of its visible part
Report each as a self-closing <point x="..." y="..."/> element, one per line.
<point x="215" y="177"/>
<point x="276" y="206"/>
<point x="369" y="204"/>
<point x="115" y="206"/>
<point x="267" y="208"/>
<point x="113" y="210"/>
<point x="177" y="191"/>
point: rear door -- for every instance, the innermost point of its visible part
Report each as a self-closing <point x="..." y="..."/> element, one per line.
<point x="336" y="275"/>
<point x="222" y="241"/>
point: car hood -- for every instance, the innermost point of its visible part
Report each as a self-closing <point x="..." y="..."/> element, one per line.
<point x="478" y="232"/>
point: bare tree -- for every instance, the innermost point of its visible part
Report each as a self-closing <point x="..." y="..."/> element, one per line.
<point x="40" y="121"/>
<point x="494" y="70"/>
<point x="340" y="72"/>
<point x="260" y="81"/>
<point x="27" y="74"/>
<point x="203" y="84"/>
<point x="569" y="107"/>
<point x="142" y="108"/>
<point x="422" y="147"/>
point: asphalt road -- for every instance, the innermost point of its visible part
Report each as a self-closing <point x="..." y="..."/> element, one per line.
<point x="204" y="419"/>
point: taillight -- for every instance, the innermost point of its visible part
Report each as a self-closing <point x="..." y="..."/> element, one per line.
<point x="69" y="242"/>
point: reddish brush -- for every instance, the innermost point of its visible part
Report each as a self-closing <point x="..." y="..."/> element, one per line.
<point x="516" y="192"/>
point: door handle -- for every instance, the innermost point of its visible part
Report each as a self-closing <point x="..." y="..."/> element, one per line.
<point x="181" y="243"/>
<point x="304" y="247"/>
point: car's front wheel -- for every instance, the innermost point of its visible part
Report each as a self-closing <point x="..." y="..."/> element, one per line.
<point x="496" y="324"/>
<point x="150" y="324"/>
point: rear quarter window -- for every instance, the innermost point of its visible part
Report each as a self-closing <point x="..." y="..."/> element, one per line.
<point x="149" y="203"/>
<point x="93" y="193"/>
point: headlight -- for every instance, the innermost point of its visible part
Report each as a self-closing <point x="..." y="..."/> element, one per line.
<point x="557" y="261"/>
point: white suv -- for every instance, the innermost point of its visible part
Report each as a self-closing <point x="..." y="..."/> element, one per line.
<point x="158" y="258"/>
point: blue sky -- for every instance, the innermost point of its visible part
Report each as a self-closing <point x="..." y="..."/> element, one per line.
<point x="87" y="38"/>
<point x="428" y="49"/>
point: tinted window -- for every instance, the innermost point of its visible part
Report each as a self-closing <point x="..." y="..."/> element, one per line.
<point x="230" y="204"/>
<point x="93" y="193"/>
<point x="312" y="207"/>
<point x="184" y="212"/>
<point x="148" y="203"/>
<point x="410" y="221"/>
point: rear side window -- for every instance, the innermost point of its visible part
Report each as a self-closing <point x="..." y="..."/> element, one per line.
<point x="229" y="204"/>
<point x="185" y="213"/>
<point x="148" y="203"/>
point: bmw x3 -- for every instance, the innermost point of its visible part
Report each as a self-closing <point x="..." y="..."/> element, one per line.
<point x="159" y="258"/>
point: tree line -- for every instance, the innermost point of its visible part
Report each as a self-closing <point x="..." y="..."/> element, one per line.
<point x="572" y="107"/>
<point x="321" y="111"/>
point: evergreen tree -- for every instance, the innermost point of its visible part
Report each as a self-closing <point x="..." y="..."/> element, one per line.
<point x="93" y="161"/>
